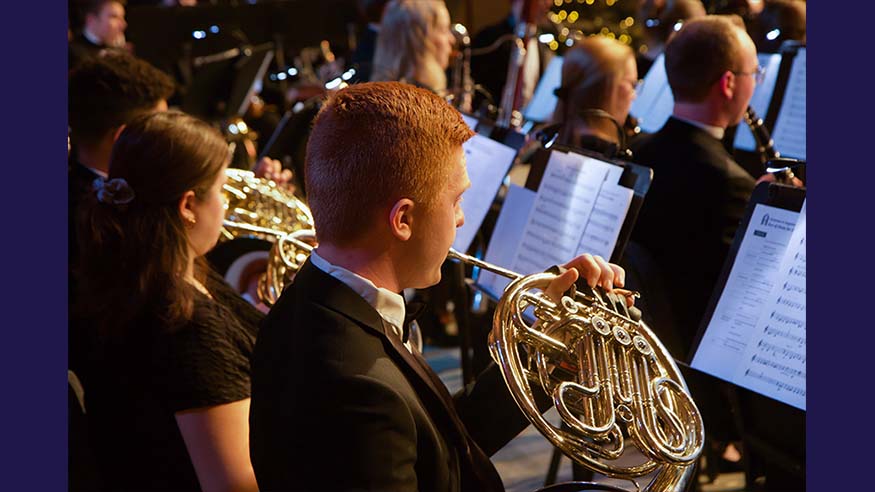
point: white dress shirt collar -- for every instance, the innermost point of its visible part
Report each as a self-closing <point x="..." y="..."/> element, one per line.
<point x="389" y="305"/>
<point x="714" y="131"/>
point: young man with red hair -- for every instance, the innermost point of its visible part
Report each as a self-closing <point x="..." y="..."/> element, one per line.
<point x="340" y="399"/>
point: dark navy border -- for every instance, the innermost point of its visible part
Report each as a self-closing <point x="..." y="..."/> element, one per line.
<point x="33" y="364"/>
<point x="842" y="186"/>
<point x="840" y="204"/>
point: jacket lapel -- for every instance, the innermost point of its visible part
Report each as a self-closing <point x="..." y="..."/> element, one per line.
<point x="338" y="297"/>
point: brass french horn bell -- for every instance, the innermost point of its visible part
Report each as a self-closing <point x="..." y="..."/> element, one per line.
<point x="611" y="380"/>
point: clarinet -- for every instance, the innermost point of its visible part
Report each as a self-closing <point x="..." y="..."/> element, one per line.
<point x="765" y="147"/>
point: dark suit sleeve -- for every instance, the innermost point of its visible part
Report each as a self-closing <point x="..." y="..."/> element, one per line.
<point x="373" y="431"/>
<point x="490" y="413"/>
<point x="738" y="191"/>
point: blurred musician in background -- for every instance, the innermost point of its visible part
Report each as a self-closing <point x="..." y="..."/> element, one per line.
<point x="104" y="28"/>
<point x="104" y="94"/>
<point x="333" y="367"/>
<point x="699" y="193"/>
<point x="167" y="388"/>
<point x="779" y="21"/>
<point x="660" y="19"/>
<point x="362" y="58"/>
<point x="490" y="69"/>
<point x="414" y="44"/>
<point x="599" y="82"/>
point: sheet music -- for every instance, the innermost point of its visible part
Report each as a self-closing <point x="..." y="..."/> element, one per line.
<point x="774" y="360"/>
<point x="540" y="108"/>
<point x="756" y="336"/>
<point x="762" y="97"/>
<point x="655" y="103"/>
<point x="789" y="134"/>
<point x="488" y="162"/>
<point x="502" y="246"/>
<point x="579" y="208"/>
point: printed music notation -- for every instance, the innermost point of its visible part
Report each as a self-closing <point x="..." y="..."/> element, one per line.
<point x="786" y="335"/>
<point x="784" y="369"/>
<point x="789" y="134"/>
<point x="779" y="352"/>
<point x="579" y="207"/>
<point x="780" y="386"/>
<point x="756" y="337"/>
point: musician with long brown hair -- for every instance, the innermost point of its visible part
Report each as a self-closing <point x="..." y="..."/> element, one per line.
<point x="167" y="392"/>
<point x="341" y="400"/>
<point x="599" y="81"/>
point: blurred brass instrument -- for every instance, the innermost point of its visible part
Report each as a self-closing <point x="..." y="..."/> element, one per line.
<point x="611" y="380"/>
<point x="258" y="208"/>
<point x="461" y="90"/>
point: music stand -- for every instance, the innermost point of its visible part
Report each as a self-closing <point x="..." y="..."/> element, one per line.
<point x="222" y="85"/>
<point x="249" y="73"/>
<point x="739" y="343"/>
<point x="509" y="231"/>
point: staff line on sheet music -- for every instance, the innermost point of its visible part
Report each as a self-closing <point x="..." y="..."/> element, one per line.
<point x="781" y="385"/>
<point x="789" y="335"/>
<point x="557" y="233"/>
<point x="784" y="352"/>
<point x="784" y="369"/>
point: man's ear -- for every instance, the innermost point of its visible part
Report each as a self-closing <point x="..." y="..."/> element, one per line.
<point x="727" y="84"/>
<point x="401" y="219"/>
<point x="186" y="207"/>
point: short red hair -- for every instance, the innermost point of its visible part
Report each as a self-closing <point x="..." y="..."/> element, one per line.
<point x="373" y="144"/>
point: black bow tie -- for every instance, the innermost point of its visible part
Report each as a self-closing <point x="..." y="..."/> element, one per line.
<point x="412" y="311"/>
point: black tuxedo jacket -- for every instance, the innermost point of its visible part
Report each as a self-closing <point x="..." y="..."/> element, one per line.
<point x="80" y="49"/>
<point x="339" y="404"/>
<point x="690" y="214"/>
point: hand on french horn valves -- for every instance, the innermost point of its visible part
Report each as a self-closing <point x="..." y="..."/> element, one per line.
<point x="596" y="271"/>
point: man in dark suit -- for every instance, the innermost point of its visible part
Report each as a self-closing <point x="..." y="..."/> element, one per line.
<point x="340" y="398"/>
<point x="104" y="28"/>
<point x="104" y="94"/>
<point x="699" y="193"/>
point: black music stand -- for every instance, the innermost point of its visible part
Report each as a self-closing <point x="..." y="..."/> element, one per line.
<point x="221" y="87"/>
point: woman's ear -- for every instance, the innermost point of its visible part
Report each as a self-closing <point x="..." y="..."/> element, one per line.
<point x="186" y="207"/>
<point x="401" y="219"/>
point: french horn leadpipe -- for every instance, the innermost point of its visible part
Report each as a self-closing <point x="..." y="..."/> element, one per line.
<point x="613" y="383"/>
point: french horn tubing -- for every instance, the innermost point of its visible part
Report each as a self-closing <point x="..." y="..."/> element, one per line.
<point x="611" y="380"/>
<point x="257" y="207"/>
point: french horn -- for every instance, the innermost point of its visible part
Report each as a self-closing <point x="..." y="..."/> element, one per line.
<point x="258" y="208"/>
<point x="611" y="380"/>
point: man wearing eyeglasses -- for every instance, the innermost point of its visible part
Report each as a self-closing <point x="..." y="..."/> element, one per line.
<point x="699" y="193"/>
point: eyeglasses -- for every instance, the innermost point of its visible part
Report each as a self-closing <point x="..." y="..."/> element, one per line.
<point x="759" y="74"/>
